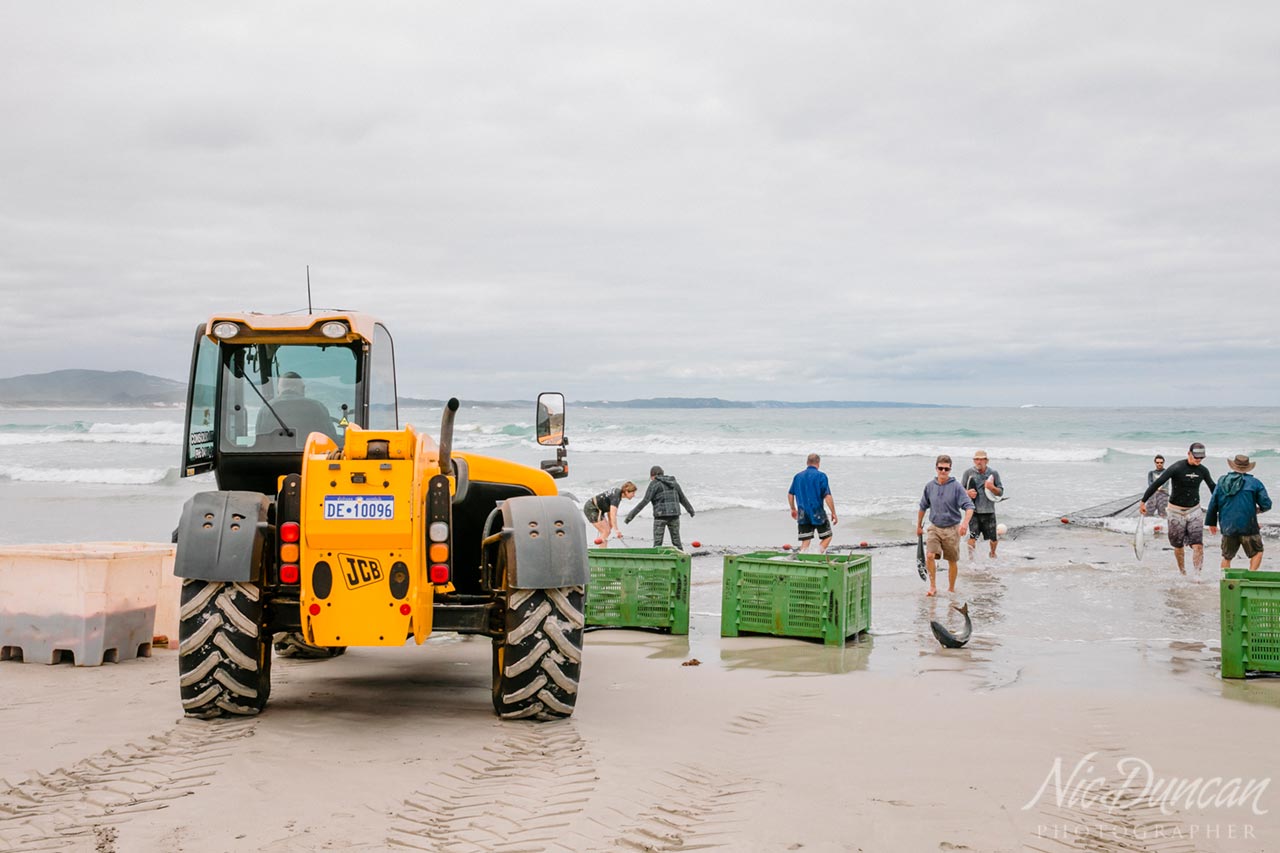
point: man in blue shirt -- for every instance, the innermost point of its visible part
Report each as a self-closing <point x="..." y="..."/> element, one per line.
<point x="809" y="492"/>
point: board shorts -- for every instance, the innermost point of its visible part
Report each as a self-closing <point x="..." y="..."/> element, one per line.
<point x="808" y="528"/>
<point x="1251" y="542"/>
<point x="944" y="541"/>
<point x="984" y="523"/>
<point x="1186" y="526"/>
<point x="1159" y="504"/>
<point x="592" y="512"/>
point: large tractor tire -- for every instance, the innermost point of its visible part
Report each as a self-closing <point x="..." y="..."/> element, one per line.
<point x="291" y="644"/>
<point x="224" y="653"/>
<point x="536" y="665"/>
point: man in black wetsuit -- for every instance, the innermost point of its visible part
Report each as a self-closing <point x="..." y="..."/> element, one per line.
<point x="1186" y="519"/>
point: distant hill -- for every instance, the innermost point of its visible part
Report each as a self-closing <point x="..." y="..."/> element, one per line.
<point x="431" y="403"/>
<point x="131" y="388"/>
<point x="91" y="388"/>
<point x="717" y="403"/>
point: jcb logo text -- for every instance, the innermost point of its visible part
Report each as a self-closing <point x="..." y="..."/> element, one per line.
<point x="359" y="571"/>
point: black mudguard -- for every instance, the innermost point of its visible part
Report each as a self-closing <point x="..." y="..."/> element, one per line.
<point x="221" y="536"/>
<point x="545" y="543"/>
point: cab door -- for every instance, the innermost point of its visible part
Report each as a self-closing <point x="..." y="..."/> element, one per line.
<point x="200" y="436"/>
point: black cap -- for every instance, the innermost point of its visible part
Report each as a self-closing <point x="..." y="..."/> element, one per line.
<point x="1197" y="450"/>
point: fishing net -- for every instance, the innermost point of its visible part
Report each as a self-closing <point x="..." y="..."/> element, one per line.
<point x="1119" y="515"/>
<point x="1119" y="508"/>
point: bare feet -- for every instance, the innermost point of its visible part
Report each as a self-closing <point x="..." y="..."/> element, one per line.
<point x="932" y="591"/>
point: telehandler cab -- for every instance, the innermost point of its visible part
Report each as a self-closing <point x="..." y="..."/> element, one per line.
<point x="336" y="527"/>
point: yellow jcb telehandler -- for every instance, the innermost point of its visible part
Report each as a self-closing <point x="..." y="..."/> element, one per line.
<point x="334" y="527"/>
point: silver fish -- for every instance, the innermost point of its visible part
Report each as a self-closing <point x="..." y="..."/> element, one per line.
<point x="952" y="641"/>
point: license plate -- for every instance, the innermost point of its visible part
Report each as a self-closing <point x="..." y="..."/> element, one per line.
<point x="359" y="507"/>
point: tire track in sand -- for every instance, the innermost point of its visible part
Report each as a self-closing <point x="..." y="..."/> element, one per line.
<point x="85" y="800"/>
<point x="522" y="792"/>
<point x="531" y="790"/>
<point x="695" y="806"/>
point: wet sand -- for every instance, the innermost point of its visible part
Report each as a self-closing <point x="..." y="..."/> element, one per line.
<point x="888" y="744"/>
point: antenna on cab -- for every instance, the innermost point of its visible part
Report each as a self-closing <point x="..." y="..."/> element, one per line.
<point x="308" y="288"/>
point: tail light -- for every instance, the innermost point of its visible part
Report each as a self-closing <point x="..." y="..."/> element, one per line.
<point x="439" y="508"/>
<point x="289" y="531"/>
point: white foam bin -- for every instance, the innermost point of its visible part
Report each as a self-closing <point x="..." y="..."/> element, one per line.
<point x="93" y="600"/>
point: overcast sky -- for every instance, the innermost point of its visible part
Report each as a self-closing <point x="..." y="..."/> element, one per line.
<point x="1054" y="203"/>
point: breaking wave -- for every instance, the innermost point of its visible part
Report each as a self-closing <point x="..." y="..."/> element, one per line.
<point x="101" y="476"/>
<point x="657" y="443"/>
<point x="167" y="433"/>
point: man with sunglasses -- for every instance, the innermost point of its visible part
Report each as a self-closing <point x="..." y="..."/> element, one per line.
<point x="1158" y="505"/>
<point x="949" y="509"/>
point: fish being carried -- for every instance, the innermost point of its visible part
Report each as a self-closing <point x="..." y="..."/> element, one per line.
<point x="952" y="641"/>
<point x="920" y="561"/>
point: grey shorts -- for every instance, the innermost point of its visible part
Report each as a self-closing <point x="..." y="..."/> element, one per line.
<point x="592" y="512"/>
<point x="1158" y="505"/>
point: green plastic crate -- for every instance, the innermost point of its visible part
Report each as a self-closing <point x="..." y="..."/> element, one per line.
<point x="639" y="588"/>
<point x="1250" y="622"/>
<point x="797" y="595"/>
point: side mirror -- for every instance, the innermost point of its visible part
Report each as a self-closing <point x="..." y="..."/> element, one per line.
<point x="550" y="419"/>
<point x="550" y="430"/>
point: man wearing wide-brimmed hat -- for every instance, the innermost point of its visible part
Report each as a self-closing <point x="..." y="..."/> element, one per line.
<point x="1238" y="498"/>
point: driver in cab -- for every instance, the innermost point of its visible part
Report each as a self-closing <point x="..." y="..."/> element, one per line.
<point x="298" y="412"/>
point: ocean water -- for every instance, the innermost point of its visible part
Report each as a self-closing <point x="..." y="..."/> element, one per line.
<point x="734" y="464"/>
<point x="1062" y="605"/>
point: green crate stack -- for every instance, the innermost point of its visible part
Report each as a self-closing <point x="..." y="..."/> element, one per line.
<point x="639" y="588"/>
<point x="1250" y="622"/>
<point x="797" y="595"/>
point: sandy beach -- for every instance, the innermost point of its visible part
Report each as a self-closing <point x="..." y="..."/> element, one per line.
<point x="1016" y="742"/>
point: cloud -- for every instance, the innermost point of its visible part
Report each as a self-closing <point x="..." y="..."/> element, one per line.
<point x="946" y="201"/>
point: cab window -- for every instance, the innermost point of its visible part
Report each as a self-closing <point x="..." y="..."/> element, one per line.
<point x="274" y="396"/>
<point x="382" y="382"/>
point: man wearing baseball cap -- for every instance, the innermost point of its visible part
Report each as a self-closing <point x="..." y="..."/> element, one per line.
<point x="1186" y="519"/>
<point x="980" y="484"/>
<point x="1239" y="498"/>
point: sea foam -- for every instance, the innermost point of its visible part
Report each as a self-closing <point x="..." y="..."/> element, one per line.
<point x="106" y="476"/>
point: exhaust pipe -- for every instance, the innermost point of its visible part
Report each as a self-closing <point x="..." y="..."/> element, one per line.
<point x="446" y="436"/>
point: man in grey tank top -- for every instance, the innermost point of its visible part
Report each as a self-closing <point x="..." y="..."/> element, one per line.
<point x="1159" y="502"/>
